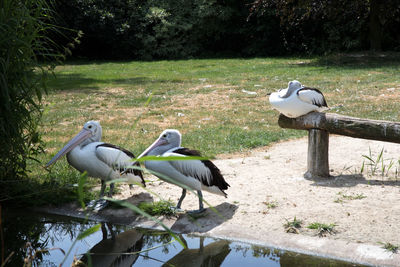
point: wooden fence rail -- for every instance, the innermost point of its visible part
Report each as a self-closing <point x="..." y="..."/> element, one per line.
<point x="320" y="125"/>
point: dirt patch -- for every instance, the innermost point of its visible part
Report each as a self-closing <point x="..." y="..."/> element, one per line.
<point x="213" y="100"/>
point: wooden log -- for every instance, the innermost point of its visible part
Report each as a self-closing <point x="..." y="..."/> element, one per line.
<point x="343" y="125"/>
<point x="317" y="157"/>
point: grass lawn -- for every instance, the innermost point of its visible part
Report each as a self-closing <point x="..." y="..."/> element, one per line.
<point x="208" y="100"/>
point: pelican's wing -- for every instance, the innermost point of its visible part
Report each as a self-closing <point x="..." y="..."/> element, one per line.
<point x="203" y="170"/>
<point x="312" y="96"/>
<point x="117" y="158"/>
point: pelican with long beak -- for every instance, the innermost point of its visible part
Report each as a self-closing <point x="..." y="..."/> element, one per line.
<point x="297" y="100"/>
<point x="101" y="160"/>
<point x="196" y="174"/>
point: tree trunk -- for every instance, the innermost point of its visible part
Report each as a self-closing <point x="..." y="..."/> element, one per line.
<point x="375" y="27"/>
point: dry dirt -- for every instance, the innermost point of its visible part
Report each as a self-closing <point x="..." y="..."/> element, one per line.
<point x="364" y="208"/>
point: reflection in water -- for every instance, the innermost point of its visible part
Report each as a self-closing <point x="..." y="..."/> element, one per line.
<point x="210" y="255"/>
<point x="113" y="246"/>
<point x="115" y="250"/>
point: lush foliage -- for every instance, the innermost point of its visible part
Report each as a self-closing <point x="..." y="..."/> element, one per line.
<point x="150" y="29"/>
<point x="317" y="26"/>
<point x="22" y="31"/>
<point x="25" y="50"/>
<point x="127" y="29"/>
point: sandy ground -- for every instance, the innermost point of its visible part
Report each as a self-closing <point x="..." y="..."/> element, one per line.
<point x="275" y="175"/>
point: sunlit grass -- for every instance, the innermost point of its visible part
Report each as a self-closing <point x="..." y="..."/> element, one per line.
<point x="206" y="100"/>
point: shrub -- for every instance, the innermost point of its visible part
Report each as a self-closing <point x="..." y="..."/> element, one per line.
<point x="25" y="48"/>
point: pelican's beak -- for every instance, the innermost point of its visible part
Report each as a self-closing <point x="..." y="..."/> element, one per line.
<point x="79" y="138"/>
<point x="158" y="142"/>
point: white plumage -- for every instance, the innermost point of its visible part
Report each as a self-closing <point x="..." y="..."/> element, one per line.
<point x="198" y="175"/>
<point x="101" y="160"/>
<point x="297" y="100"/>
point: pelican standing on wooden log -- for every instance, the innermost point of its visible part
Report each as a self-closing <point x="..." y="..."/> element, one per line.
<point x="297" y="100"/>
<point x="196" y="174"/>
<point x="101" y="160"/>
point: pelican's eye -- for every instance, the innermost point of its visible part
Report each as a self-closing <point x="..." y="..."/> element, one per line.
<point x="90" y="127"/>
<point x="164" y="135"/>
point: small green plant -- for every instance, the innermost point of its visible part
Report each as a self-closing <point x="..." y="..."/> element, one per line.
<point x="379" y="165"/>
<point x="271" y="204"/>
<point x="338" y="200"/>
<point x="162" y="207"/>
<point x="292" y="226"/>
<point x="322" y="228"/>
<point x="343" y="197"/>
<point x="390" y="247"/>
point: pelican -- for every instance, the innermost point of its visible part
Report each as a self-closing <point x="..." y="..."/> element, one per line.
<point x="196" y="174"/>
<point x="297" y="100"/>
<point x="101" y="160"/>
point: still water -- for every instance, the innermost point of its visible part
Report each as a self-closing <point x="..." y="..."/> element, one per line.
<point x="116" y="245"/>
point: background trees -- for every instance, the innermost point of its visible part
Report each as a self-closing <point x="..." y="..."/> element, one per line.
<point x="139" y="29"/>
<point x="321" y="26"/>
<point x="150" y="29"/>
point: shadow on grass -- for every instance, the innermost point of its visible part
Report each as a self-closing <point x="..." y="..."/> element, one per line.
<point x="72" y="82"/>
<point x="359" y="60"/>
<point x="78" y="82"/>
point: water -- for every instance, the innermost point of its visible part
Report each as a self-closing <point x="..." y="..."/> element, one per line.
<point x="116" y="245"/>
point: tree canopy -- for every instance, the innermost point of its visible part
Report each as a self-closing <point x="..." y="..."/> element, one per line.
<point x="150" y="29"/>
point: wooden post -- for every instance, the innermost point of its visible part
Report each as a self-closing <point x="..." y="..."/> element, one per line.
<point x="320" y="125"/>
<point x="317" y="158"/>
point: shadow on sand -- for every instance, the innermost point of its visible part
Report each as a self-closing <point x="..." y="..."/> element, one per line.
<point x="349" y="180"/>
<point x="205" y="221"/>
<point x="183" y="223"/>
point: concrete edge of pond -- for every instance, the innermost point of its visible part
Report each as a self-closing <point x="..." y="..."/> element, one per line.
<point x="358" y="253"/>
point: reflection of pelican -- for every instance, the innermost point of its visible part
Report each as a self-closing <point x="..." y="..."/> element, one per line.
<point x="210" y="255"/>
<point x="108" y="251"/>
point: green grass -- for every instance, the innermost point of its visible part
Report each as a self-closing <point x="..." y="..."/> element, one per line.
<point x="203" y="98"/>
<point x="322" y="228"/>
<point x="390" y="247"/>
<point x="342" y="197"/>
<point x="158" y="208"/>
<point x="271" y="204"/>
<point x="379" y="165"/>
<point x="292" y="226"/>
